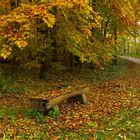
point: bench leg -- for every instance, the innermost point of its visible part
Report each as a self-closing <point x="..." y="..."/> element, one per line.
<point x="55" y="112"/>
<point x="83" y="99"/>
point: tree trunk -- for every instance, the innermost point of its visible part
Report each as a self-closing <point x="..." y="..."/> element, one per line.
<point x="115" y="45"/>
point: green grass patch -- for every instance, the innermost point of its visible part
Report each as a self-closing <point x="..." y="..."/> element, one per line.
<point x="124" y="125"/>
<point x="12" y="112"/>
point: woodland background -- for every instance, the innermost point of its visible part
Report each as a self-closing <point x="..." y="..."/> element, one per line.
<point x="50" y="47"/>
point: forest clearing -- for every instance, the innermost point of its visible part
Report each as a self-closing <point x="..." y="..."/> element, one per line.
<point x="69" y="70"/>
<point x="112" y="111"/>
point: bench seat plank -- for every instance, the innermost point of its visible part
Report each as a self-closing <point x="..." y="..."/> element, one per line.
<point x="61" y="98"/>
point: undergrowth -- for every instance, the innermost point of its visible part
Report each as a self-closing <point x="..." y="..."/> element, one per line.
<point x="9" y="83"/>
<point x="109" y="72"/>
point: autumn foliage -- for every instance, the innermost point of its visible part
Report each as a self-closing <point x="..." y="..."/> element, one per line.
<point x="45" y="29"/>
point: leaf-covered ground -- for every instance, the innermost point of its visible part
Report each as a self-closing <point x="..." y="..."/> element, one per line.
<point x="112" y="111"/>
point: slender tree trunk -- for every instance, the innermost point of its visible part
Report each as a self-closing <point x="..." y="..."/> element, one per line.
<point x="115" y="45"/>
<point x="105" y="27"/>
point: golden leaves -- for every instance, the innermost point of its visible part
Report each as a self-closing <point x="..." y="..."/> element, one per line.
<point x="125" y="12"/>
<point x="4" y="4"/>
<point x="86" y="31"/>
<point x="49" y="19"/>
<point x="21" y="23"/>
<point x="21" y="43"/>
<point x="6" y="51"/>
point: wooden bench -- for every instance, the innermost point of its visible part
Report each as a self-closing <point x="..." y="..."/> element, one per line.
<point x="45" y="105"/>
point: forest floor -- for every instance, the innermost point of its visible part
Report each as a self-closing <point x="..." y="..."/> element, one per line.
<point x="112" y="111"/>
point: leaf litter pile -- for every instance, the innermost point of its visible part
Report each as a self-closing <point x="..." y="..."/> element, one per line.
<point x="112" y="111"/>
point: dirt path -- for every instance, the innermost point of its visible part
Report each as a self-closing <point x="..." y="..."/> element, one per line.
<point x="132" y="59"/>
<point x="133" y="71"/>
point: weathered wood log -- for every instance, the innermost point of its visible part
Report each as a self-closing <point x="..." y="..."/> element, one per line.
<point x="45" y="105"/>
<point x="61" y="98"/>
